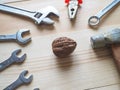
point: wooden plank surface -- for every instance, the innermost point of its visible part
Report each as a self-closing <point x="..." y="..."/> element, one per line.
<point x="84" y="69"/>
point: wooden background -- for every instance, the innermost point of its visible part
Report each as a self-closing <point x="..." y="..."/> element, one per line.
<point x="84" y="69"/>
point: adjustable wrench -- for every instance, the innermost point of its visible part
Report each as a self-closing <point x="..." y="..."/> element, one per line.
<point x="95" y="20"/>
<point x="12" y="59"/>
<point x="18" y="37"/>
<point x="20" y="81"/>
<point x="38" y="17"/>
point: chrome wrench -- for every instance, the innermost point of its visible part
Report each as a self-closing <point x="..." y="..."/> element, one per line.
<point x="20" y="81"/>
<point x="38" y="17"/>
<point x="95" y="20"/>
<point x="18" y="37"/>
<point x="12" y="59"/>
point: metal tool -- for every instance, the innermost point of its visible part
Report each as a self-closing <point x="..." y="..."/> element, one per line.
<point x="95" y="20"/>
<point x="20" y="81"/>
<point x="12" y="59"/>
<point x="106" y="38"/>
<point x="18" y="37"/>
<point x="9" y="1"/>
<point x="73" y="7"/>
<point x="38" y="17"/>
<point x="36" y="89"/>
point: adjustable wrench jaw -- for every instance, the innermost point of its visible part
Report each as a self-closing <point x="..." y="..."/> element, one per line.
<point x="43" y="15"/>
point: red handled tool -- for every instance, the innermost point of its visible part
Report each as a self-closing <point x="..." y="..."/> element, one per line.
<point x="73" y="7"/>
<point x="79" y="1"/>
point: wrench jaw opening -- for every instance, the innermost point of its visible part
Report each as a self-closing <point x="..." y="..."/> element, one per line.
<point x="18" y="59"/>
<point x="42" y="17"/>
<point x="20" y="39"/>
<point x="24" y="79"/>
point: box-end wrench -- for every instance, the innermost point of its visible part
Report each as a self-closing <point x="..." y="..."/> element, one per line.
<point x="18" y="37"/>
<point x="12" y="59"/>
<point x="95" y="20"/>
<point x="20" y="81"/>
<point x="39" y="17"/>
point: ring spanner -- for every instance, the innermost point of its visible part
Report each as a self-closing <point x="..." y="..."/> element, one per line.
<point x="95" y="20"/>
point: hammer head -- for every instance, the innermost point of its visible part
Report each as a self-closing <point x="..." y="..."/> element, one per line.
<point x="106" y="38"/>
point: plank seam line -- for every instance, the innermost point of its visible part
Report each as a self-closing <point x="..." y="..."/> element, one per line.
<point x="101" y="86"/>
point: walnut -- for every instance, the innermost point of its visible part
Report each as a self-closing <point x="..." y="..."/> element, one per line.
<point x="63" y="46"/>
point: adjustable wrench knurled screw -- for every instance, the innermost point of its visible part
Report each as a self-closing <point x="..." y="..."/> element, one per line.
<point x="18" y="37"/>
<point x="20" y="81"/>
<point x="12" y="59"/>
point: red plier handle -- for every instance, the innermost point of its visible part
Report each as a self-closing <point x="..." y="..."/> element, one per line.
<point x="79" y="1"/>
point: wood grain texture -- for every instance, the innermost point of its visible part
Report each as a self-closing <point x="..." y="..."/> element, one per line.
<point x="84" y="69"/>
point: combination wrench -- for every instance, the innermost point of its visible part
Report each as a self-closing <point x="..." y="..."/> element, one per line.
<point x="18" y="37"/>
<point x="42" y="16"/>
<point x="20" y="81"/>
<point x="12" y="59"/>
<point x="95" y="20"/>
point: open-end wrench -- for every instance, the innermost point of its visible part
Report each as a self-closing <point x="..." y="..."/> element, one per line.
<point x="12" y="59"/>
<point x="20" y="81"/>
<point x="38" y="17"/>
<point x="18" y="37"/>
<point x="95" y="20"/>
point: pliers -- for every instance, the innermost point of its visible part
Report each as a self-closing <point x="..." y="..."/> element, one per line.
<point x="73" y="7"/>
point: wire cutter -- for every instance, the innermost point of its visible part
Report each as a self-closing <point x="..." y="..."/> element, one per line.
<point x="73" y="7"/>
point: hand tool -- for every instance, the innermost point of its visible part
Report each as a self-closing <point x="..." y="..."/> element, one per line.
<point x="36" y="89"/>
<point x="95" y="20"/>
<point x="9" y="1"/>
<point x="20" y="81"/>
<point x="106" y="38"/>
<point x="18" y="37"/>
<point x="116" y="54"/>
<point x="38" y="17"/>
<point x="73" y="7"/>
<point x="12" y="59"/>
